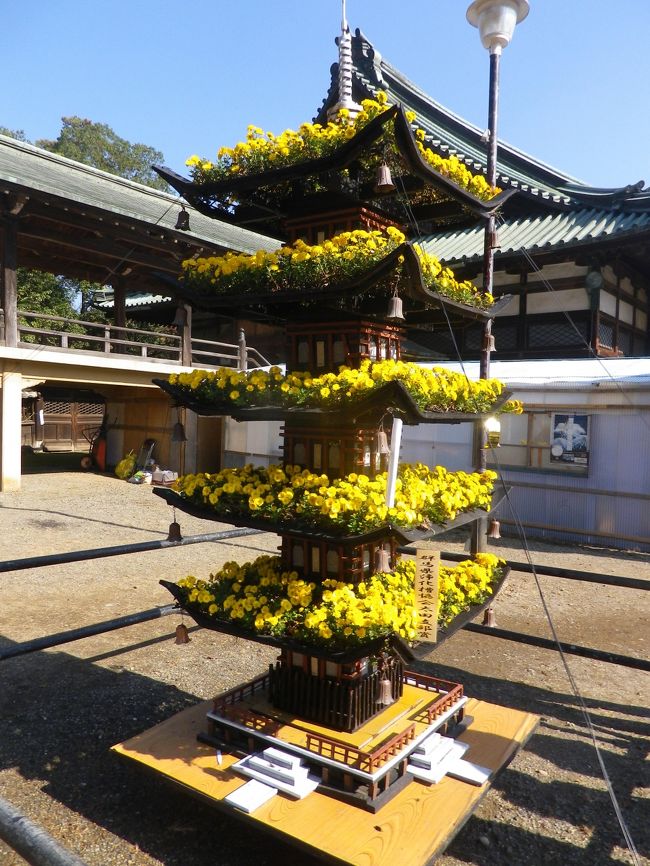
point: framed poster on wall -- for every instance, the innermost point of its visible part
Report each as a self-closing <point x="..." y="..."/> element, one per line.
<point x="570" y="438"/>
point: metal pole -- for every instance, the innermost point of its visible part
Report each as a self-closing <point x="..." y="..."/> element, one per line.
<point x="479" y="529"/>
<point x="120" y="549"/>
<point x="62" y="637"/>
<point x="555" y="571"/>
<point x="567" y="648"/>
<point x="31" y="842"/>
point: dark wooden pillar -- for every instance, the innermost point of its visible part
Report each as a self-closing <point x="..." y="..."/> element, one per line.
<point x="522" y="319"/>
<point x="119" y="302"/>
<point x="8" y="259"/>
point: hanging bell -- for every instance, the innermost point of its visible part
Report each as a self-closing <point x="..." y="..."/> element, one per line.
<point x="395" y="308"/>
<point x="382" y="560"/>
<point x="488" y="344"/>
<point x="494" y="529"/>
<point x="385" y="693"/>
<point x="384" y="181"/>
<point x="174" y="533"/>
<point x="182" y="220"/>
<point x="178" y="433"/>
<point x="382" y="442"/>
<point x="182" y="635"/>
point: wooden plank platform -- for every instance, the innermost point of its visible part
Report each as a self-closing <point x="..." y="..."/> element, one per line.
<point x="412" y="829"/>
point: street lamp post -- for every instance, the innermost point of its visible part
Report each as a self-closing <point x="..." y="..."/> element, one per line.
<point x="496" y="21"/>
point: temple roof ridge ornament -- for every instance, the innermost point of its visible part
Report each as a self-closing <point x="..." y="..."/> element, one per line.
<point x="345" y="100"/>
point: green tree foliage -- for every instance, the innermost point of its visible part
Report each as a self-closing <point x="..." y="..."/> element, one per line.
<point x="98" y="145"/>
<point x="39" y="292"/>
<point x="94" y="144"/>
<point x="13" y="133"/>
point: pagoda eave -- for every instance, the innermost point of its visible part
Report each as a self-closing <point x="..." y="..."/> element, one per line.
<point x="207" y="196"/>
<point x="292" y="529"/>
<point x="392" y="397"/>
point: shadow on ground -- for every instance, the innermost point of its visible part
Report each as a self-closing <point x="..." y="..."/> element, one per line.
<point x="57" y="730"/>
<point x="65" y="713"/>
<point x="623" y="731"/>
<point x="38" y="462"/>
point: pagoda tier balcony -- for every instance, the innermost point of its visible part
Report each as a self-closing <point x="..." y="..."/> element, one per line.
<point x="335" y="451"/>
<point x="325" y="346"/>
<point x="327" y="560"/>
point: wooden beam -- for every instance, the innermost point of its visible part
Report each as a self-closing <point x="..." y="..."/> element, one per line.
<point x="9" y="289"/>
<point x="105" y="248"/>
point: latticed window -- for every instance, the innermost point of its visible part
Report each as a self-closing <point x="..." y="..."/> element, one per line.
<point x="560" y="333"/>
<point x="474" y="339"/>
<point x="56" y="407"/>
<point x="505" y="336"/>
<point x="90" y="408"/>
<point x="606" y="335"/>
<point x="625" y="342"/>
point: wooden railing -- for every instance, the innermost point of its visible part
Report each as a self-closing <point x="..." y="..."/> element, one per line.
<point x="76" y="335"/>
<point x="239" y="694"/>
<point x="352" y="757"/>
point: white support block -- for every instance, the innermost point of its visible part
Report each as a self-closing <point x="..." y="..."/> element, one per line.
<point x="299" y="786"/>
<point x="250" y="796"/>
<point x="466" y="771"/>
<point x="437" y="753"/>
<point x="282" y="759"/>
<point x="439" y="770"/>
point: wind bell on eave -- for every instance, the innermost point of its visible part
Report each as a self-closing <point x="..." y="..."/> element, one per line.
<point x="395" y="307"/>
<point x="345" y="72"/>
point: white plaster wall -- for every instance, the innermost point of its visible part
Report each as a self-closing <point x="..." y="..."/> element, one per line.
<point x="552" y="302"/>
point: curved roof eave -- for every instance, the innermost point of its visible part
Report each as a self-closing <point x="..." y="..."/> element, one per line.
<point x="449" y="134"/>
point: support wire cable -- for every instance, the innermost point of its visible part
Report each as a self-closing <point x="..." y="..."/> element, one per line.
<point x="565" y="663"/>
<point x="412" y="220"/>
<point x="414" y="225"/>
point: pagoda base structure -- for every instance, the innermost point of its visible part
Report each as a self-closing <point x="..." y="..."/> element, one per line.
<point x="363" y="797"/>
<point x="365" y="766"/>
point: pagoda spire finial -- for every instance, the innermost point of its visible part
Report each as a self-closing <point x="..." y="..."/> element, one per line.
<point x="345" y="71"/>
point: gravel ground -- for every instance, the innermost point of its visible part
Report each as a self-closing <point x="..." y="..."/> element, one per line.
<point x="61" y="709"/>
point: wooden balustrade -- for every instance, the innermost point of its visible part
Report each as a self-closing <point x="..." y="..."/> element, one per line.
<point x="77" y="335"/>
<point x="352" y="757"/>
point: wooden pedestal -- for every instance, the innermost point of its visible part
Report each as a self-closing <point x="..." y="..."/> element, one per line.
<point x="412" y="829"/>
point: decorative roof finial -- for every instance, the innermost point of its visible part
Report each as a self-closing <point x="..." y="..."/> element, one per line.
<point x="345" y="72"/>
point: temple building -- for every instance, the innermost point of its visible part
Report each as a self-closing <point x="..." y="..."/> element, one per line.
<point x="563" y="247"/>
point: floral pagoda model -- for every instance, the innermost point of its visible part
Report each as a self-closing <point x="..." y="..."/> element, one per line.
<point x="348" y="287"/>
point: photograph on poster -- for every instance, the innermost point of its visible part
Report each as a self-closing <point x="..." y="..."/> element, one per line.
<point x="570" y="439"/>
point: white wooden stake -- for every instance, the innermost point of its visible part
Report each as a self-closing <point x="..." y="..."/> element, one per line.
<point x="393" y="463"/>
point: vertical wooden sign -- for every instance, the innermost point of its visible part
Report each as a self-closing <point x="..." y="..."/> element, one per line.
<point x="426" y="592"/>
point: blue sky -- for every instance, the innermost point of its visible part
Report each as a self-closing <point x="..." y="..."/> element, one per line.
<point x="187" y="77"/>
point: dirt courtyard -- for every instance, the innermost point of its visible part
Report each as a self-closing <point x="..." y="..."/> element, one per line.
<point x="62" y="709"/>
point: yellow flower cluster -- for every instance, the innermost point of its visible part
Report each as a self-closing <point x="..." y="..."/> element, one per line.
<point x="300" y="265"/>
<point x="349" y="505"/>
<point x="264" y="150"/>
<point x="435" y="390"/>
<point x="470" y="582"/>
<point x="337" y="257"/>
<point x="454" y="169"/>
<point x="261" y="598"/>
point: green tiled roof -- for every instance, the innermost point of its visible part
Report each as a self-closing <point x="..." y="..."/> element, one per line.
<point x="27" y="167"/>
<point x="535" y="233"/>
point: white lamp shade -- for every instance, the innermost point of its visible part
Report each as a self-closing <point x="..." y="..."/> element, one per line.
<point x="496" y="21"/>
